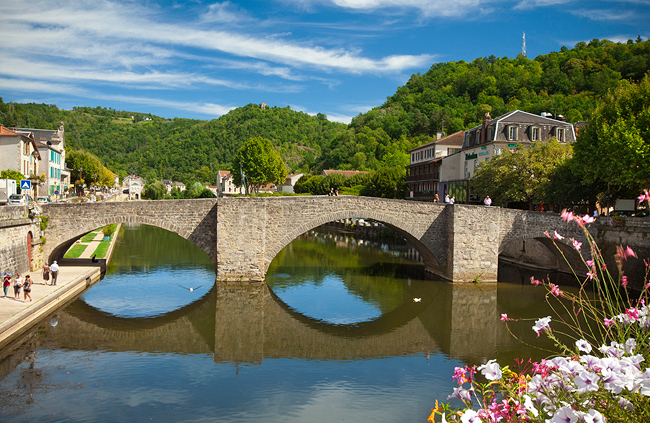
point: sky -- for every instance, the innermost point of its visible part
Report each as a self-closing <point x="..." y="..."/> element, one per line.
<point x="201" y="59"/>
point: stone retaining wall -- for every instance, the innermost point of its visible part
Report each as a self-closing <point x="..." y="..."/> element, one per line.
<point x="14" y="229"/>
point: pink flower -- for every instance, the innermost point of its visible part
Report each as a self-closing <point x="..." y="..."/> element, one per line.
<point x="591" y="275"/>
<point x="504" y="317"/>
<point x="576" y="244"/>
<point x="587" y="219"/>
<point x="590" y="263"/>
<point x="644" y="196"/>
<point x="557" y="235"/>
<point x="555" y="290"/>
<point x="534" y="281"/>
<point x="625" y="253"/>
<point x="567" y="215"/>
<point x="608" y="322"/>
<point x="624" y="281"/>
<point x="647" y="285"/>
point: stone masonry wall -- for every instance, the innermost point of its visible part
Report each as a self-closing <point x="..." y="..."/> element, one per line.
<point x="251" y="231"/>
<point x="14" y="230"/>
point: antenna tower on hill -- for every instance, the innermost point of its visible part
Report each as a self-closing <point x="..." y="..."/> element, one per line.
<point x="523" y="46"/>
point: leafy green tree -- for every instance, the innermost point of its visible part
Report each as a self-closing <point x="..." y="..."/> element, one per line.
<point x="615" y="146"/>
<point x="260" y="162"/>
<point x="155" y="191"/>
<point x="309" y="184"/>
<point x="386" y="182"/>
<point x="522" y="175"/>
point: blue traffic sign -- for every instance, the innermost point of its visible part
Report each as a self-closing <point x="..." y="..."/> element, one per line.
<point x="25" y="184"/>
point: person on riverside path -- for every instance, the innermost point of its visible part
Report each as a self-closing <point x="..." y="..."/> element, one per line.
<point x="54" y="269"/>
<point x="46" y="273"/>
<point x="27" y="288"/>
<point x="18" y="284"/>
<point x="6" y="282"/>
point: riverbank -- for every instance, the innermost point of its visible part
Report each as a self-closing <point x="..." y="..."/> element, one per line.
<point x="75" y="276"/>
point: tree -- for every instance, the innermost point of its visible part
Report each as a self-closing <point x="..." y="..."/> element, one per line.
<point x="155" y="191"/>
<point x="615" y="146"/>
<point x="260" y="163"/>
<point x="522" y="175"/>
<point x="387" y="182"/>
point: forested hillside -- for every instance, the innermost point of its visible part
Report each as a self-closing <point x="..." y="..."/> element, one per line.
<point x="178" y="149"/>
<point x="450" y="96"/>
<point x="454" y="96"/>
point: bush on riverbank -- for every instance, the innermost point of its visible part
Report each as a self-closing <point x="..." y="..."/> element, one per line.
<point x="603" y="375"/>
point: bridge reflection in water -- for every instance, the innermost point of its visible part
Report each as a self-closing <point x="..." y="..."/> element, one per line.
<point x="246" y="322"/>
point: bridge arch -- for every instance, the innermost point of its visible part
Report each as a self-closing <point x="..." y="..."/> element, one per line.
<point x="432" y="258"/>
<point x="190" y="219"/>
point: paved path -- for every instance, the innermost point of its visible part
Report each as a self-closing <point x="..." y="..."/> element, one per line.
<point x="9" y="306"/>
<point x="92" y="245"/>
<point x="75" y="276"/>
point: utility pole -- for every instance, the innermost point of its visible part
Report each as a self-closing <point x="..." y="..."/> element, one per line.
<point x="523" y="46"/>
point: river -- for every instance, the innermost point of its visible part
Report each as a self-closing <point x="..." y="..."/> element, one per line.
<point x="345" y="329"/>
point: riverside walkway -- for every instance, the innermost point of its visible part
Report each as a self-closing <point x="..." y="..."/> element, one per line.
<point x="75" y="276"/>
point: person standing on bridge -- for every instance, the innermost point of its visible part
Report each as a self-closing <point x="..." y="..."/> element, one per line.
<point x="487" y="201"/>
<point x="54" y="269"/>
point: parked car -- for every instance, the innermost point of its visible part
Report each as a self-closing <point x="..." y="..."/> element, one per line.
<point x="19" y="199"/>
<point x="42" y="200"/>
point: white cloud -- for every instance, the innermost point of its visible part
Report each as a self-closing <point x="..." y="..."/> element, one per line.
<point x="102" y="31"/>
<point x="428" y="8"/>
<point x="530" y="4"/>
<point x="605" y="15"/>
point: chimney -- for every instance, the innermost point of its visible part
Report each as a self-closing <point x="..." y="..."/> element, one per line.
<point x="486" y="121"/>
<point x="438" y="135"/>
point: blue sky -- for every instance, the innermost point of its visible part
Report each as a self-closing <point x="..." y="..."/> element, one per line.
<point x="200" y="59"/>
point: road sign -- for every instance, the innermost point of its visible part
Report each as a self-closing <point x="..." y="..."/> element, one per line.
<point x="56" y="192"/>
<point x="25" y="184"/>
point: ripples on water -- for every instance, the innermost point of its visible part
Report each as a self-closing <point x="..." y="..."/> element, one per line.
<point x="348" y="341"/>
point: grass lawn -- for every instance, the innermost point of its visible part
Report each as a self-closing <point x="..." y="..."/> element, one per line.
<point x="89" y="236"/>
<point x="102" y="248"/>
<point x="75" y="251"/>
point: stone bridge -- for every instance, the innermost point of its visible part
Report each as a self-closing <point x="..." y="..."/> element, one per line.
<point x="243" y="235"/>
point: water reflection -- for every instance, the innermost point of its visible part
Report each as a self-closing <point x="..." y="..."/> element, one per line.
<point x="156" y="278"/>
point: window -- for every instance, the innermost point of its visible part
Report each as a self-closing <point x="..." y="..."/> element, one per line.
<point x="512" y="133"/>
<point x="534" y="133"/>
<point x="559" y="134"/>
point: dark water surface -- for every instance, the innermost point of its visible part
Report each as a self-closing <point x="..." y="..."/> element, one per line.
<point x="345" y="330"/>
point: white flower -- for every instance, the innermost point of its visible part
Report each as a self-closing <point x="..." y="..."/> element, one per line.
<point x="491" y="370"/>
<point x="630" y="345"/>
<point x="529" y="406"/>
<point x="564" y="415"/>
<point x="583" y="346"/>
<point x="593" y="416"/>
<point x="586" y="381"/>
<point x="470" y="416"/>
<point x="542" y="324"/>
